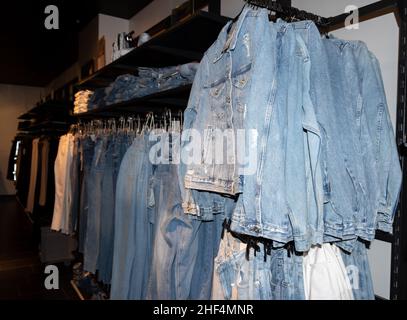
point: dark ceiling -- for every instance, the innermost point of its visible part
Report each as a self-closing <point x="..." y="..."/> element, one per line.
<point x="33" y="55"/>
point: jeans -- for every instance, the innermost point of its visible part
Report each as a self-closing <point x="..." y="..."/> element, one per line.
<point x="97" y="99"/>
<point x="105" y="259"/>
<point x="63" y="191"/>
<point x="209" y="236"/>
<point x="357" y="265"/>
<point x="133" y="234"/>
<point x="167" y="215"/>
<point x="75" y="183"/>
<point x="96" y="204"/>
<point x="276" y="277"/>
<point x="149" y="81"/>
<point x="86" y="156"/>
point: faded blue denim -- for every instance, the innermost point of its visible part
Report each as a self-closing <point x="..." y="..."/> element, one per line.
<point x="218" y="103"/>
<point x="209" y="237"/>
<point x="87" y="148"/>
<point x="357" y="264"/>
<point x="282" y="201"/>
<point x="369" y="147"/>
<point x="340" y="186"/>
<point x="165" y="202"/>
<point x="280" y="277"/>
<point x="105" y="259"/>
<point x="133" y="236"/>
<point x="377" y="138"/>
<point x="95" y="195"/>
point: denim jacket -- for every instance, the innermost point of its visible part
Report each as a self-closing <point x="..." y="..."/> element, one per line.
<point x="281" y="201"/>
<point x="217" y="105"/>
<point x="371" y="150"/>
<point x="377" y="138"/>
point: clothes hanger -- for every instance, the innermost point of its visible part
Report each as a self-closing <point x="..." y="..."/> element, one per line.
<point x="234" y="20"/>
<point x="138" y="124"/>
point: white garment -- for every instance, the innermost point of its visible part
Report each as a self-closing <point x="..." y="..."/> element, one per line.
<point x="33" y="176"/>
<point x="63" y="192"/>
<point x="325" y="274"/>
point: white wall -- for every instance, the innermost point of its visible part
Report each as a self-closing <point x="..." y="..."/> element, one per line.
<point x="109" y="27"/>
<point x="88" y="41"/>
<point x="153" y="14"/>
<point x="231" y="8"/>
<point x="381" y="36"/>
<point x="87" y="44"/>
<point x="150" y="15"/>
<point x="14" y="100"/>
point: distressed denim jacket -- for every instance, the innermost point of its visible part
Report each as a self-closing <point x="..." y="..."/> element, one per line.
<point x="217" y="106"/>
<point x="281" y="201"/>
<point x="377" y="140"/>
<point x="369" y="150"/>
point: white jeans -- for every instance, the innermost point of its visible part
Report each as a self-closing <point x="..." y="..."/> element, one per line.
<point x="63" y="192"/>
<point x="325" y="274"/>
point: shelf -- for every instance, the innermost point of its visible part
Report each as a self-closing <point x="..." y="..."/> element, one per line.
<point x="46" y="126"/>
<point x="56" y="108"/>
<point x="175" y="99"/>
<point x="184" y="42"/>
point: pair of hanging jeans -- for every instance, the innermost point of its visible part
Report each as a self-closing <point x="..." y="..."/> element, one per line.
<point x="275" y="276"/>
<point x="105" y="259"/>
<point x="61" y="220"/>
<point x="167" y="220"/>
<point x="132" y="235"/>
<point x="87" y="148"/>
<point x="357" y="266"/>
<point x="98" y="201"/>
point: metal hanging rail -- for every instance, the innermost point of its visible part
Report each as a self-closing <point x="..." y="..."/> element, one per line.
<point x="367" y="12"/>
<point x="399" y="246"/>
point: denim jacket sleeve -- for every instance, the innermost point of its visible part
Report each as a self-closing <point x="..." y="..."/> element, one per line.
<point x="384" y="144"/>
<point x="190" y="116"/>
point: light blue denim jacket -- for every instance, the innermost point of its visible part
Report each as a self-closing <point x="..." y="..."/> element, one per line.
<point x="218" y="103"/>
<point x="282" y="201"/>
<point x="377" y="134"/>
<point x="371" y="149"/>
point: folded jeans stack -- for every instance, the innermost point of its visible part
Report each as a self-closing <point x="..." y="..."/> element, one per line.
<point x="148" y="81"/>
<point x="81" y="101"/>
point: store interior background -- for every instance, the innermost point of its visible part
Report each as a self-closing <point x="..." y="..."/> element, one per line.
<point x="380" y="35"/>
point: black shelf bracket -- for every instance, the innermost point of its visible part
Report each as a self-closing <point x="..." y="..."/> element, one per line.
<point x="399" y="246"/>
<point x="214" y="6"/>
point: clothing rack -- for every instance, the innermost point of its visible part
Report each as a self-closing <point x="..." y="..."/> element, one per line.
<point x="331" y="23"/>
<point x="280" y="7"/>
<point x="399" y="8"/>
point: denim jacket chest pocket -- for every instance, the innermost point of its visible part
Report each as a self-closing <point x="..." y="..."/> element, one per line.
<point x="241" y="85"/>
<point x="218" y="101"/>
